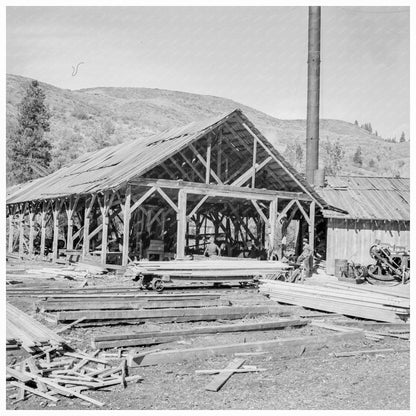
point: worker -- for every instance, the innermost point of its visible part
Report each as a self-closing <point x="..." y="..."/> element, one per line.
<point x="306" y="258"/>
<point x="277" y="251"/>
<point x="211" y="249"/>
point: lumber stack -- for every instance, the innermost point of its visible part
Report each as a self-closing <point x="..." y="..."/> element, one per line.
<point x="158" y="337"/>
<point x="31" y="334"/>
<point x="132" y="302"/>
<point x="68" y="374"/>
<point x="171" y="314"/>
<point x="344" y="300"/>
<point x="218" y="268"/>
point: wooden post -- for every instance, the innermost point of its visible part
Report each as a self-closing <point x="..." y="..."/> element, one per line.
<point x="253" y="178"/>
<point x="126" y="226"/>
<point x="11" y="230"/>
<point x="208" y="169"/>
<point x="272" y="222"/>
<point x="86" y="239"/>
<point x="31" y="230"/>
<point x="43" y="229"/>
<point x="21" y="229"/>
<point x="312" y="226"/>
<point x="181" y="224"/>
<point x="70" y="222"/>
<point x="55" y="231"/>
<point x="104" y="233"/>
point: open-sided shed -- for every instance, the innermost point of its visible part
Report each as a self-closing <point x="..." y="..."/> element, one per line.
<point x="221" y="170"/>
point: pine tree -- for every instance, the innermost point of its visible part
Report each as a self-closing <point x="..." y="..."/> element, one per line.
<point x="402" y="137"/>
<point x="27" y="142"/>
<point x="358" y="159"/>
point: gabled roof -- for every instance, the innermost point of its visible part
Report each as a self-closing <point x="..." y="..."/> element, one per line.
<point x="112" y="167"/>
<point x="368" y="198"/>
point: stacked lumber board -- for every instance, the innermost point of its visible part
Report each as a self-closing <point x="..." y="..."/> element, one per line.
<point x="366" y="304"/>
<point x="32" y="335"/>
<point x="94" y="290"/>
<point x="171" y="314"/>
<point x="132" y="302"/>
<point x="68" y="374"/>
<point x="158" y="337"/>
<point x="212" y="268"/>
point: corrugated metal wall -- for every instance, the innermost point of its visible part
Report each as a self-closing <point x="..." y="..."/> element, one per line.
<point x="351" y="240"/>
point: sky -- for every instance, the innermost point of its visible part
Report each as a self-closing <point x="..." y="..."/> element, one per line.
<point x="254" y="55"/>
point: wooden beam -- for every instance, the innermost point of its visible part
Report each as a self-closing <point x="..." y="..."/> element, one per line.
<point x="55" y="230"/>
<point x="181" y="224"/>
<point x="202" y="160"/>
<point x="167" y="199"/>
<point x="219" y="380"/>
<point x="312" y="226"/>
<point x="43" y="227"/>
<point x="272" y="222"/>
<point x="191" y="165"/>
<point x="105" y="221"/>
<point x="184" y="174"/>
<point x="197" y="206"/>
<point x="281" y="345"/>
<point x="142" y="199"/>
<point x="261" y="213"/>
<point x="285" y="210"/>
<point x="250" y="172"/>
<point x="253" y="178"/>
<point x="11" y="232"/>
<point x="306" y="216"/>
<point x="31" y="230"/>
<point x="87" y="212"/>
<point x="126" y="226"/>
<point x="21" y="229"/>
<point x="219" y="154"/>
<point x="208" y="165"/>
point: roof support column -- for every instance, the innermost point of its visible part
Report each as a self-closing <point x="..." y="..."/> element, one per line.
<point x="55" y="231"/>
<point x="126" y="227"/>
<point x="312" y="226"/>
<point x="43" y="228"/>
<point x="21" y="229"/>
<point x="104" y="234"/>
<point x="181" y="224"/>
<point x="272" y="223"/>
<point x="72" y="205"/>
<point x="86" y="239"/>
<point x="32" y="215"/>
<point x="11" y="231"/>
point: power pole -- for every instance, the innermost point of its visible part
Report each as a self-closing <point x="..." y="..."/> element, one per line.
<point x="312" y="120"/>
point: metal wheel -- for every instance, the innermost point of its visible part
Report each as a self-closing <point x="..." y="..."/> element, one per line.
<point x="157" y="285"/>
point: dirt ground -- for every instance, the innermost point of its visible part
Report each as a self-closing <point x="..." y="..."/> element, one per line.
<point x="315" y="379"/>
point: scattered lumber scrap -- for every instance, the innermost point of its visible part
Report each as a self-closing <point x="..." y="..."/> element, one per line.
<point x="156" y="337"/>
<point x="172" y="314"/>
<point x="32" y="335"/>
<point x="67" y="374"/>
<point x="363" y="352"/>
<point x="243" y="369"/>
<point x="277" y="345"/>
<point x="219" y="380"/>
<point x="368" y="305"/>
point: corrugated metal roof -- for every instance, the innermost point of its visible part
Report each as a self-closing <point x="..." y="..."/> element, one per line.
<point x="111" y="167"/>
<point x="368" y="198"/>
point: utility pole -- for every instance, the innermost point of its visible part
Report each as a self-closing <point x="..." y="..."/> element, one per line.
<point x="312" y="120"/>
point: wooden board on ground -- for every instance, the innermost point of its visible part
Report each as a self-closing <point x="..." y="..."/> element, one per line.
<point x="218" y="381"/>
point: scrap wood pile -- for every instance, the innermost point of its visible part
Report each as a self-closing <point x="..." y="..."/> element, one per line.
<point x="69" y="374"/>
<point x="351" y="300"/>
<point x="57" y="369"/>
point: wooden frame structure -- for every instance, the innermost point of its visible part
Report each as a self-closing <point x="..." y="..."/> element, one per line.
<point x="223" y="172"/>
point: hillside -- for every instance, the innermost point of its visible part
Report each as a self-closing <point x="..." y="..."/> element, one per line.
<point x="87" y="119"/>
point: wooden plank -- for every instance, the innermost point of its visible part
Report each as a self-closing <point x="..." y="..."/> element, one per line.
<point x="202" y="160"/>
<point x="362" y="352"/>
<point x="219" y="380"/>
<point x="277" y="345"/>
<point x="34" y="391"/>
<point x="167" y="199"/>
<point x="55" y="230"/>
<point x="220" y="313"/>
<point x="69" y="326"/>
<point x="142" y="199"/>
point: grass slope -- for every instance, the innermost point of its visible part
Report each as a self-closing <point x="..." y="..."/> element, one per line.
<point x="87" y="119"/>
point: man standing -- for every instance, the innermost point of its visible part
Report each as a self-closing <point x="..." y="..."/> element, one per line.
<point x="306" y="258"/>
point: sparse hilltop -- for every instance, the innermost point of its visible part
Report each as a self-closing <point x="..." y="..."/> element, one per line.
<point x="88" y="119"/>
